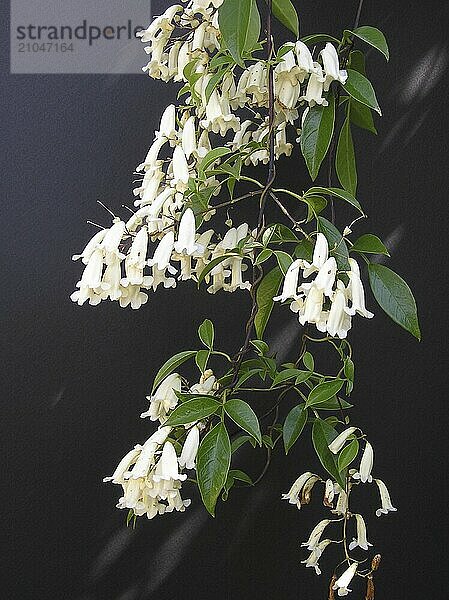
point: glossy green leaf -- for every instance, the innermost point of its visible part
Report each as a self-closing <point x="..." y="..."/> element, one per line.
<point x="213" y="462"/>
<point x="374" y="37"/>
<point x="361" y="116"/>
<point x="318" y="38"/>
<point x="285" y="12"/>
<point x="243" y="415"/>
<point x="316" y="205"/>
<point x="345" y="195"/>
<point x="335" y="404"/>
<point x="286" y="375"/>
<point x="206" y="333"/>
<point x="394" y="297"/>
<point x="236" y="23"/>
<point x="172" y="363"/>
<point x="293" y="426"/>
<point x="345" y="164"/>
<point x="360" y="88"/>
<point x="193" y="410"/>
<point x="240" y="440"/>
<point x="304" y="250"/>
<point x="324" y="391"/>
<point x="284" y="260"/>
<point x="348" y="454"/>
<point x="213" y="263"/>
<point x="241" y="476"/>
<point x="316" y="135"/>
<point x="268" y="288"/>
<point x="337" y="245"/>
<point x="212" y="156"/>
<point x="263" y="256"/>
<point x="370" y="244"/>
<point x="322" y="435"/>
<point x="201" y="359"/>
<point x="308" y="361"/>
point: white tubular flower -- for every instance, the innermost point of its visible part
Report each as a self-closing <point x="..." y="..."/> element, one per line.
<point x="338" y="321"/>
<point x="167" y="128"/>
<point x="366" y="465"/>
<point x="325" y="279"/>
<point x="136" y="259"/>
<point x="342" y="583"/>
<point x="204" y="145"/>
<point x="162" y="254"/>
<point x="151" y="159"/>
<point x="198" y="37"/>
<point x="312" y="309"/>
<point x="133" y="296"/>
<point x="329" y="493"/>
<point x="315" y="534"/>
<point x="242" y="137"/>
<point x="188" y="140"/>
<point x="112" y="239"/>
<point x="183" y="60"/>
<point x="219" y="117"/>
<point x="122" y="469"/>
<point x="356" y="292"/>
<point x="294" y="494"/>
<point x="320" y="255"/>
<point x="90" y="279"/>
<point x="237" y="283"/>
<point x="360" y="541"/>
<point x="180" y="170"/>
<point x="173" y="59"/>
<point x="190" y="449"/>
<point x="331" y="65"/>
<point x="164" y="398"/>
<point x="92" y="245"/>
<point x="146" y="458"/>
<point x="150" y="187"/>
<point x="110" y="283"/>
<point x="185" y="244"/>
<point x="290" y="288"/>
<point x="305" y="60"/>
<point x="257" y="83"/>
<point x="342" y="503"/>
<point x="167" y="466"/>
<point x="206" y="385"/>
<point x="315" y="555"/>
<point x="162" y="23"/>
<point x="314" y="91"/>
<point x="385" y="499"/>
<point x="336" y="445"/>
<point x="281" y="144"/>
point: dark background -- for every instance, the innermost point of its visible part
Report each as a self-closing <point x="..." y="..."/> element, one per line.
<point x="76" y="378"/>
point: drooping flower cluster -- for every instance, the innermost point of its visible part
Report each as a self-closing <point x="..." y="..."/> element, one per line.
<point x="151" y="474"/>
<point x="325" y="301"/>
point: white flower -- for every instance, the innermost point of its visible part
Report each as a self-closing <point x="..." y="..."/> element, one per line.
<point x="342" y="583"/>
<point x="167" y="467"/>
<point x="167" y="128"/>
<point x="325" y="279"/>
<point x="336" y="445"/>
<point x="314" y="91"/>
<point x="180" y="170"/>
<point x="315" y="534"/>
<point x="185" y="244"/>
<point x="329" y="493"/>
<point x="361" y="540"/>
<point x="162" y="254"/>
<point x="112" y="240"/>
<point x="342" y="503"/>
<point x="136" y="259"/>
<point x="133" y="296"/>
<point x="305" y="60"/>
<point x="338" y="321"/>
<point x="294" y="494"/>
<point x="366" y="465"/>
<point x="90" y="280"/>
<point x="316" y="553"/>
<point x="385" y="499"/>
<point x="331" y="65"/>
<point x="110" y="284"/>
<point x="146" y="458"/>
<point x="122" y="468"/>
<point x="237" y="283"/>
<point x="290" y="288"/>
<point x="92" y="245"/>
<point x="188" y="139"/>
<point x="190" y="449"/>
<point x="320" y="255"/>
<point x="206" y="385"/>
<point x="356" y="292"/>
<point x="164" y="398"/>
<point x="312" y="310"/>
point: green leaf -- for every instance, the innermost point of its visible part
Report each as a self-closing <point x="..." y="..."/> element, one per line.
<point x="236" y="20"/>
<point x="261" y="346"/>
<point x="213" y="462"/>
<point x="284" y="260"/>
<point x="360" y="88"/>
<point x="293" y="426"/>
<point x="243" y="415"/>
<point x="304" y="250"/>
<point x="278" y="233"/>
<point x="342" y="194"/>
<point x="361" y="116"/>
<point x="348" y="454"/>
<point x="285" y="12"/>
<point x="268" y="288"/>
<point x="324" y="391"/>
<point x="317" y="38"/>
<point x="201" y="359"/>
<point x="206" y="333"/>
<point x="322" y="435"/>
<point x="337" y="245"/>
<point x="241" y="476"/>
<point x="374" y="37"/>
<point x="308" y="361"/>
<point x="345" y="164"/>
<point x="212" y="156"/>
<point x="263" y="256"/>
<point x="213" y="263"/>
<point x="286" y="376"/>
<point x="172" y="363"/>
<point x="370" y="244"/>
<point x="349" y="371"/>
<point x="316" y="205"/>
<point x="213" y="82"/>
<point x="193" y="410"/>
<point x="240" y="440"/>
<point x="316" y="135"/>
<point x="357" y="61"/>
<point x="254" y="28"/>
<point x="335" y="404"/>
<point x="394" y="297"/>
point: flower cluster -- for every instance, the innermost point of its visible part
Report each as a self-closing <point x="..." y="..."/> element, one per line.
<point x="325" y="301"/>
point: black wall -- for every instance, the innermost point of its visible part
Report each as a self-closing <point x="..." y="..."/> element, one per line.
<point x="76" y="378"/>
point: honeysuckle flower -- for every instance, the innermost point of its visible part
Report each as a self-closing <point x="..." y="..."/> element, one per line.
<point x="342" y="582"/>
<point x="110" y="284"/>
<point x="204" y="145"/>
<point x="184" y="55"/>
<point x="312" y="560"/>
<point x="385" y="499"/>
<point x="237" y="268"/>
<point x="338" y="321"/>
<point x="360" y="541"/>
<point x="242" y="137"/>
<point x="306" y="493"/>
<point x="294" y="494"/>
<point x="281" y="144"/>
<point x="366" y="465"/>
<point x="190" y="449"/>
<point x="315" y="534"/>
<point x="357" y="293"/>
<point x="314" y="91"/>
<point x="150" y="187"/>
<point x="331" y="66"/>
<point x="164" y="398"/>
<point x="337" y="444"/>
<point x="320" y="255"/>
<point x="167" y="466"/>
<point x="91" y="246"/>
<point x="207" y="384"/>
<point x="290" y="287"/>
<point x="163" y="23"/>
<point x="90" y="279"/>
<point x="257" y="83"/>
<point x="219" y="117"/>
